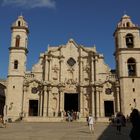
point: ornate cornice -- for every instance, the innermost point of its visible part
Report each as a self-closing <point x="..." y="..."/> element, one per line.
<point x="18" y="48"/>
<point x="124" y="28"/>
<point x="128" y="49"/>
<point x="21" y="27"/>
<point x="129" y="77"/>
<point x="125" y="49"/>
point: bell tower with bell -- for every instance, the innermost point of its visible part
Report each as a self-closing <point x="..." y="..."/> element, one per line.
<point x="17" y="68"/>
<point x="127" y="56"/>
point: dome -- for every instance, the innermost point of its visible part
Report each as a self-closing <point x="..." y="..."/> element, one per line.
<point x="20" y="22"/>
<point x="126" y="22"/>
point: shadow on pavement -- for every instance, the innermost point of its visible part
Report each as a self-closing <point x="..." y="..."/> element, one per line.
<point x="110" y="133"/>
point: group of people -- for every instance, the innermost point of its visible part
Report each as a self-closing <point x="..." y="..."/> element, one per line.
<point x="119" y="120"/>
<point x="134" y="119"/>
<point x="72" y="115"/>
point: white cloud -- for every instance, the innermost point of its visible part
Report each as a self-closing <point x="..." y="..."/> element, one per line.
<point x="30" y="3"/>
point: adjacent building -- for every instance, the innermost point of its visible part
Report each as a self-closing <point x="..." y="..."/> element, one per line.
<point x="2" y="95"/>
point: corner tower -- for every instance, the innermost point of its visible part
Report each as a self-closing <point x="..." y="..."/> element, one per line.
<point x="127" y="56"/>
<point x="17" y="67"/>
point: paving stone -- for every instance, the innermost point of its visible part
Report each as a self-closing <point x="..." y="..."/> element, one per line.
<point x="62" y="131"/>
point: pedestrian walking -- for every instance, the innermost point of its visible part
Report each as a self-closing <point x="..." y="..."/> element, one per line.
<point x="118" y="124"/>
<point x="90" y="123"/>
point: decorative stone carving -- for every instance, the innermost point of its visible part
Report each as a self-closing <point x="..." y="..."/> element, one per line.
<point x="34" y="90"/>
<point x="71" y="62"/>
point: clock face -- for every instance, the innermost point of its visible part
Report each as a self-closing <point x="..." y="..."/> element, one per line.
<point x="71" y="61"/>
<point x="34" y="90"/>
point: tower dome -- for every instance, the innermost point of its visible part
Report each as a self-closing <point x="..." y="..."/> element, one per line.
<point x="125" y="22"/>
<point x="20" y="23"/>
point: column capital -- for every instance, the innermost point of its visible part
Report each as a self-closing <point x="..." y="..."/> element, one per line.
<point x="93" y="89"/>
<point x="49" y="59"/>
<point x="45" y="88"/>
<point x="25" y="88"/>
<point x="99" y="88"/>
<point x="61" y="58"/>
<point x="117" y="89"/>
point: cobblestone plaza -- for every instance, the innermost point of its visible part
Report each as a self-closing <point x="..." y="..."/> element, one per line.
<point x="61" y="131"/>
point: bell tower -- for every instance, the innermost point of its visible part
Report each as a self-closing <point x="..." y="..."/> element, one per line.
<point x="127" y="56"/>
<point x="17" y="67"/>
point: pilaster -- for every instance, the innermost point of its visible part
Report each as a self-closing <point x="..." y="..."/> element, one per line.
<point x="93" y="101"/>
<point x="81" y="101"/>
<point x="45" y="101"/>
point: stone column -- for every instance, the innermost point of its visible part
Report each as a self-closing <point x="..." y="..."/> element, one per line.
<point x="93" y="101"/>
<point x="92" y="70"/>
<point x="80" y="67"/>
<point x="100" y="91"/>
<point x="40" y="107"/>
<point x="97" y="103"/>
<point x="61" y="99"/>
<point x="24" y="92"/>
<point x="60" y="69"/>
<point x="48" y="101"/>
<point x="81" y="101"/>
<point x="81" y="71"/>
<point x="118" y="99"/>
<point x="25" y="107"/>
<point x="49" y="68"/>
<point x="80" y="97"/>
<point x="94" y="94"/>
<point x="45" y="102"/>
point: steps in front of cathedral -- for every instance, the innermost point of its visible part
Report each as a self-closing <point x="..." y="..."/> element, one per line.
<point x="59" y="119"/>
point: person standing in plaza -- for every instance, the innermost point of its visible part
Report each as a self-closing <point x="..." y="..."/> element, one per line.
<point x="135" y="120"/>
<point x="118" y="124"/>
<point x="90" y="123"/>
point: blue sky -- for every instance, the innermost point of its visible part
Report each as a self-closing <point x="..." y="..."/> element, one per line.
<point x="54" y="22"/>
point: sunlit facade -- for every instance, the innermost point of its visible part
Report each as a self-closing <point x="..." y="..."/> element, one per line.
<point x="73" y="77"/>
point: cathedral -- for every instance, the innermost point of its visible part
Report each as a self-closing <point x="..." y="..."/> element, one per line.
<point x="73" y="77"/>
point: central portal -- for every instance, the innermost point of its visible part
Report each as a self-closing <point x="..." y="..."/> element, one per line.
<point x="71" y="102"/>
<point x="33" y="107"/>
<point x="109" y="108"/>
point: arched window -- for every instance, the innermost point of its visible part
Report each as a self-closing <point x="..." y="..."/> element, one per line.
<point x="15" y="64"/>
<point x="19" y="23"/>
<point x="17" y="43"/>
<point x="128" y="24"/>
<point x="129" y="40"/>
<point x="131" y="65"/>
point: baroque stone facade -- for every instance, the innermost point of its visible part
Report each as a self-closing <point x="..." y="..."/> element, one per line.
<point x="70" y="77"/>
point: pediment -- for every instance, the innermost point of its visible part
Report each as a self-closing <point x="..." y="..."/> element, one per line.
<point x="32" y="81"/>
